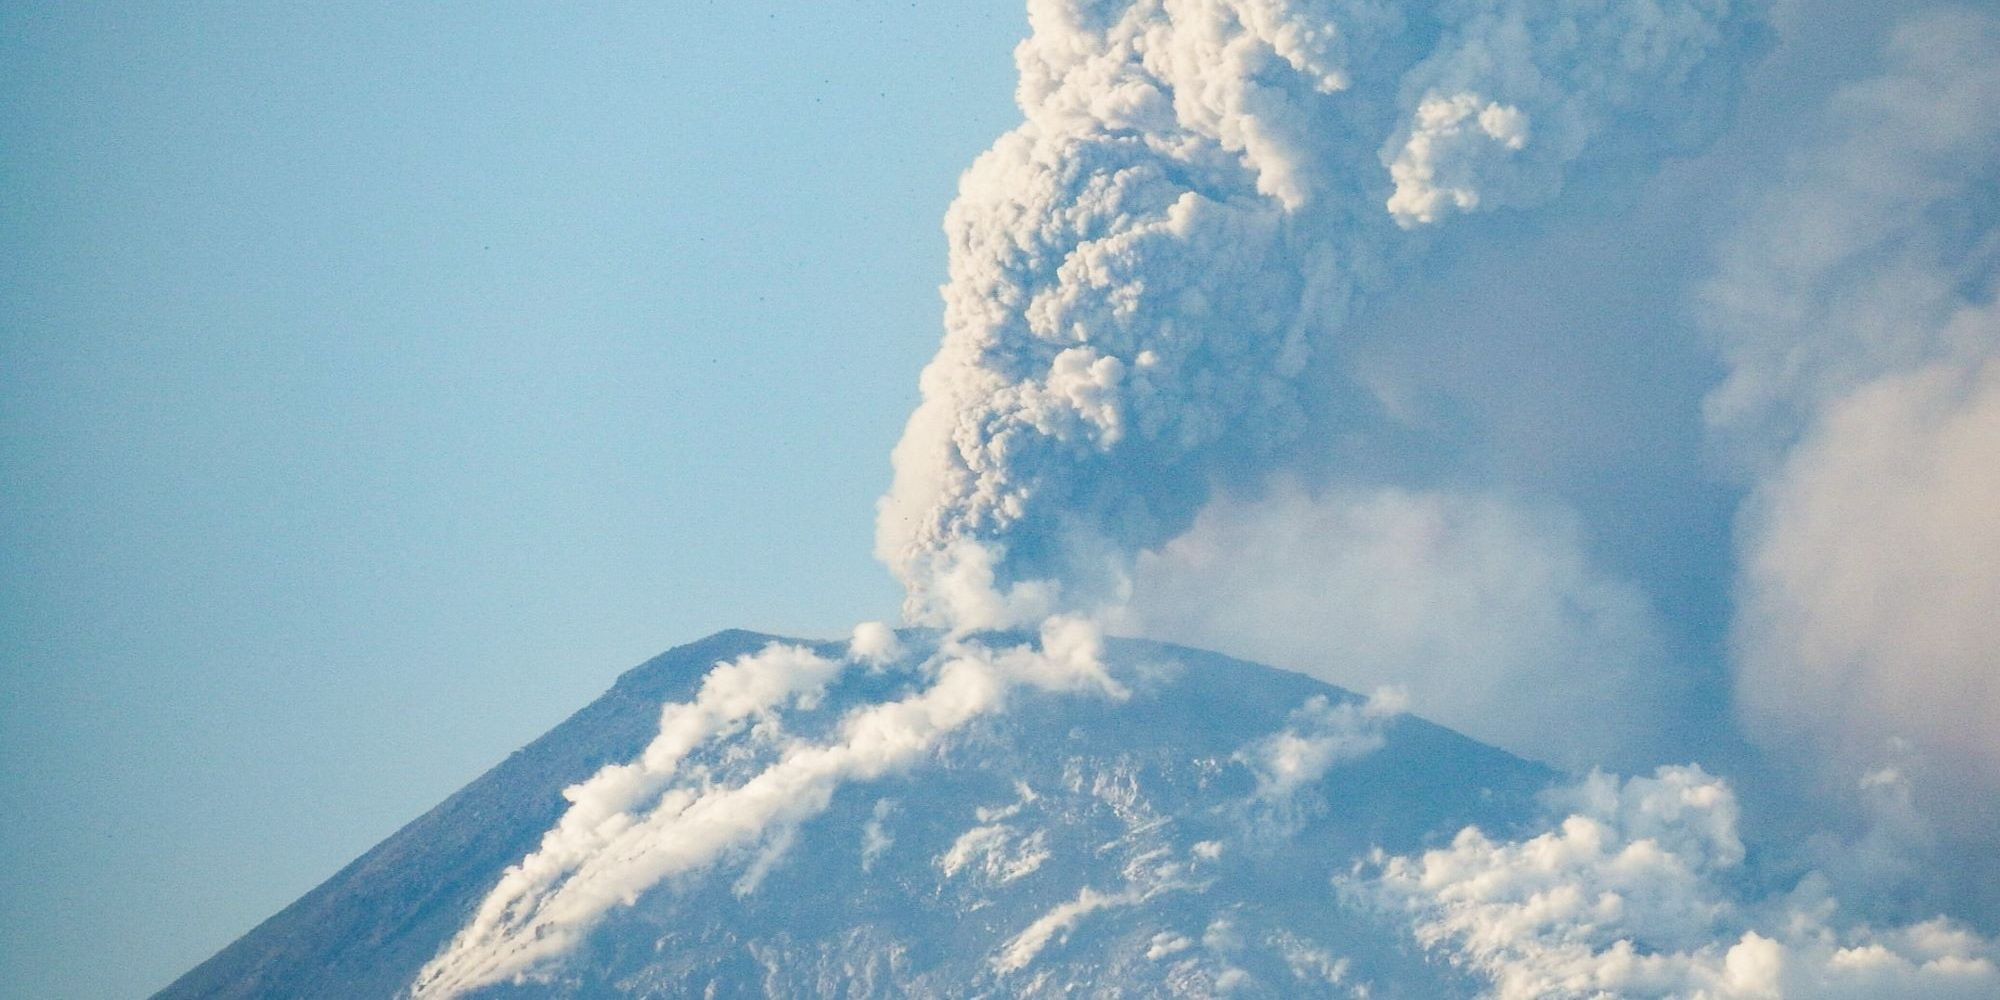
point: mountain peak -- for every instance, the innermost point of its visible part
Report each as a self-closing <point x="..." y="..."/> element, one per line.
<point x="1179" y="839"/>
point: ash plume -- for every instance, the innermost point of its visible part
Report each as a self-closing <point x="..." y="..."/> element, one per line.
<point x="1202" y="194"/>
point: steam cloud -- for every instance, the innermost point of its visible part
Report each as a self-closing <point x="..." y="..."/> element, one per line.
<point x="1319" y="735"/>
<point x="1486" y="611"/>
<point x="1629" y="895"/>
<point x="1201" y="194"/>
<point x="1855" y="309"/>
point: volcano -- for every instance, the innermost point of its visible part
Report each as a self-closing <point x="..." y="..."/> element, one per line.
<point x="1188" y="838"/>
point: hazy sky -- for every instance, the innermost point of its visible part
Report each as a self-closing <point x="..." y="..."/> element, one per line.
<point x="377" y="383"/>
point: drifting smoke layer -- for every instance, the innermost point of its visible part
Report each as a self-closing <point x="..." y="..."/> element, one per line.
<point x="632" y="826"/>
<point x="1201" y="191"/>
<point x="1487" y="611"/>
<point x="1855" y="310"/>
<point x="1626" y="897"/>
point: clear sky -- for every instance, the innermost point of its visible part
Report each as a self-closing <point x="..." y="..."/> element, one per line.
<point x="378" y="381"/>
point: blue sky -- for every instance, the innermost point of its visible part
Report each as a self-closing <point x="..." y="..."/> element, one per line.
<point x="380" y="382"/>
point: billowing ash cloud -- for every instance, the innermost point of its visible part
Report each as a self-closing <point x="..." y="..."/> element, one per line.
<point x="632" y="826"/>
<point x="1856" y="311"/>
<point x="1630" y="894"/>
<point x="1201" y="193"/>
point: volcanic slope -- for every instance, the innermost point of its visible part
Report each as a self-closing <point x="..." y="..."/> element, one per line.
<point x="1182" y="840"/>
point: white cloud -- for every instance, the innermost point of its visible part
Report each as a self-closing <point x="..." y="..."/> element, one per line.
<point x="1317" y="736"/>
<point x="1630" y="895"/>
<point x="875" y="643"/>
<point x="1487" y="612"/>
